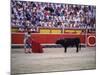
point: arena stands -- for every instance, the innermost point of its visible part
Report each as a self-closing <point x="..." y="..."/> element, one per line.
<point x="52" y="15"/>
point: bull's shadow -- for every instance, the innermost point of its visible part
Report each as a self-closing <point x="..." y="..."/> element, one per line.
<point x="69" y="42"/>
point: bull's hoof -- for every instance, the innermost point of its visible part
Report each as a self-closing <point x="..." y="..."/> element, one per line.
<point x="77" y="51"/>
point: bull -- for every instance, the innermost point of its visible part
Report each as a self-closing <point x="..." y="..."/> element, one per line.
<point x="69" y="42"/>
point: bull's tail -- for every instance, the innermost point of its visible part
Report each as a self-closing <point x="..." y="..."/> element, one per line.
<point x="78" y="48"/>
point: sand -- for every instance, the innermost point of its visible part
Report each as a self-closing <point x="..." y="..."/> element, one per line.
<point x="53" y="59"/>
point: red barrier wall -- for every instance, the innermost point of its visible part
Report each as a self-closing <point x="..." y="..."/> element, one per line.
<point x="17" y="38"/>
<point x="44" y="38"/>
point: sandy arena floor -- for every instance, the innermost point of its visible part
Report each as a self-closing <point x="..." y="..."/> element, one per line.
<point x="53" y="59"/>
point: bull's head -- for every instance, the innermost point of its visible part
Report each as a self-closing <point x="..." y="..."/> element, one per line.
<point x="60" y="41"/>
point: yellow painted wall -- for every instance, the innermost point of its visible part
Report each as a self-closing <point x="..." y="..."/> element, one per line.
<point x="53" y="31"/>
<point x="73" y="31"/>
<point x="44" y="30"/>
<point x="58" y="31"/>
<point x="14" y="30"/>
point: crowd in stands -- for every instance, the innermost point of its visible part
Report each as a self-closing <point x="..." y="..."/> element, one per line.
<point x="40" y="14"/>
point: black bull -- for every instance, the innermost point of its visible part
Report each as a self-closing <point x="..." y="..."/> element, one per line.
<point x="69" y="42"/>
